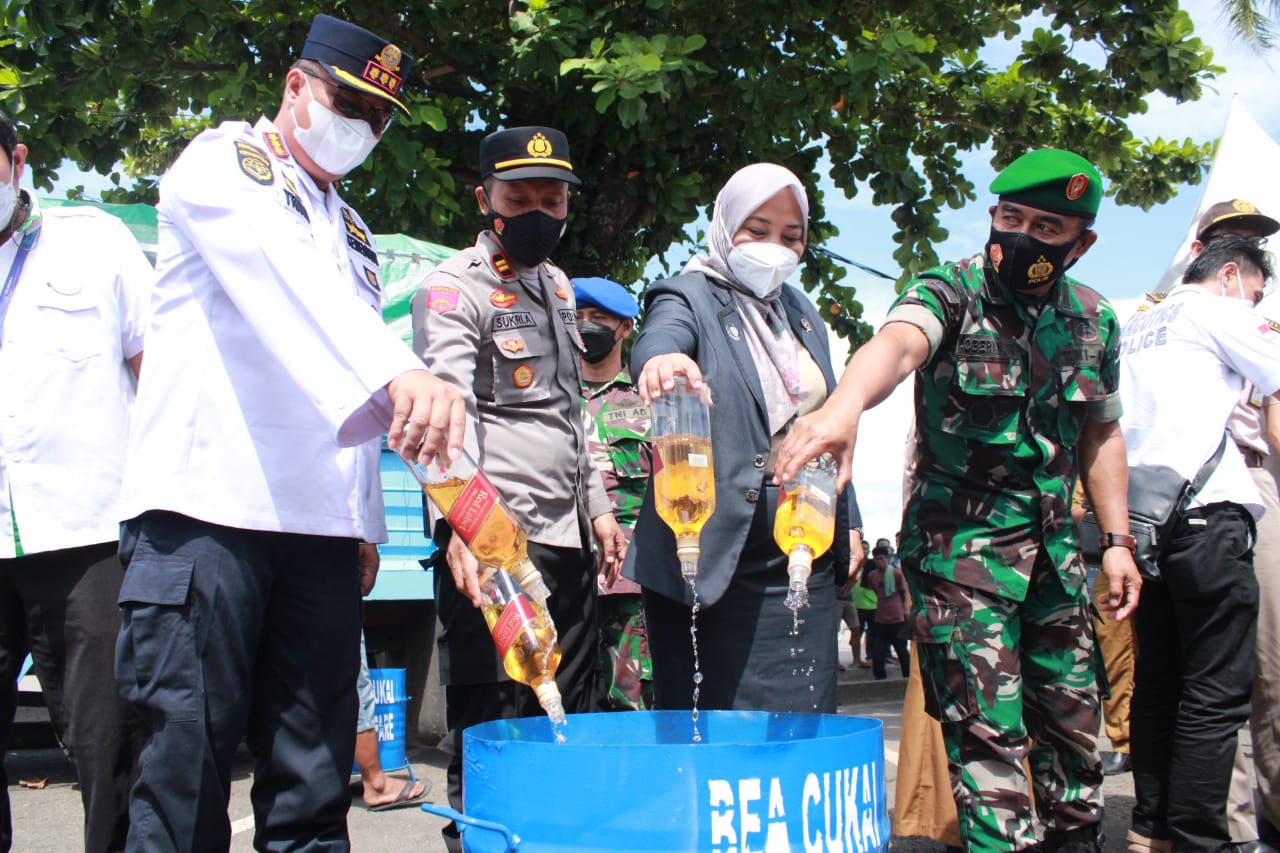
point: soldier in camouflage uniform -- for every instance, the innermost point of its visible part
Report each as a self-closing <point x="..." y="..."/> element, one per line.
<point x="1016" y="383"/>
<point x="617" y="425"/>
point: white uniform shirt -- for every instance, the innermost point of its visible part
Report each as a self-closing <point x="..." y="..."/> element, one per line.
<point x="1183" y="367"/>
<point x="265" y="366"/>
<point x="75" y="318"/>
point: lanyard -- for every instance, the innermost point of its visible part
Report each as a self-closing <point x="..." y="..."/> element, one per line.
<point x="15" y="269"/>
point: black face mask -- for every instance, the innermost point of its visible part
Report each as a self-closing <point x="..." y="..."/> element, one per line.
<point x="598" y="339"/>
<point x="1024" y="263"/>
<point x="530" y="238"/>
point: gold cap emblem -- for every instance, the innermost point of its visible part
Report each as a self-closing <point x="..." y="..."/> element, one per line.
<point x="1239" y="205"/>
<point x="539" y="146"/>
<point x="389" y="58"/>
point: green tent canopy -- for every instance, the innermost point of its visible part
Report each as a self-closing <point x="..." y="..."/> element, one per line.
<point x="404" y="260"/>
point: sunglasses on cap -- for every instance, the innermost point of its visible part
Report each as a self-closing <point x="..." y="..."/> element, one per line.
<point x="351" y="106"/>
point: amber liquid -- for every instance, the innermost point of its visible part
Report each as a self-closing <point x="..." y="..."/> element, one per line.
<point x="498" y="541"/>
<point x="685" y="489"/>
<point x="534" y="651"/>
<point x="805" y="518"/>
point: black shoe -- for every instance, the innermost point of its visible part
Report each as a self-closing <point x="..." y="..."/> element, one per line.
<point x="1088" y="839"/>
<point x="1115" y="763"/>
<point x="1253" y="847"/>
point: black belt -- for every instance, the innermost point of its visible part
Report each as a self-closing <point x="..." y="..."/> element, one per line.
<point x="1252" y="458"/>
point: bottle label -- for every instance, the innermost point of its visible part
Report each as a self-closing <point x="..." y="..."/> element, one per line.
<point x="472" y="507"/>
<point x="517" y="614"/>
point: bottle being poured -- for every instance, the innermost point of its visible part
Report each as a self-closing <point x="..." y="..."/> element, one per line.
<point x="804" y="525"/>
<point x="684" y="483"/>
<point x="513" y="593"/>
<point x="525" y="638"/>
<point x="478" y="514"/>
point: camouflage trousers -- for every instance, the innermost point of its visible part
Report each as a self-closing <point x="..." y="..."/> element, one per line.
<point x="625" y="680"/>
<point x="1012" y="682"/>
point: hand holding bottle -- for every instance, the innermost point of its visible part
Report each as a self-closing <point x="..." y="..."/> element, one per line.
<point x="660" y="372"/>
<point x="465" y="569"/>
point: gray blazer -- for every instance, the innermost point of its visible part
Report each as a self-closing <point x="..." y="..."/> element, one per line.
<point x="694" y="315"/>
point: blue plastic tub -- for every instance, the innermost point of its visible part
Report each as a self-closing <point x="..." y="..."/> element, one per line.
<point x="636" y="781"/>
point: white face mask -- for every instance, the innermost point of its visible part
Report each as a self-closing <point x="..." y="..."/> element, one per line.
<point x="761" y="268"/>
<point x="8" y="201"/>
<point x="336" y="144"/>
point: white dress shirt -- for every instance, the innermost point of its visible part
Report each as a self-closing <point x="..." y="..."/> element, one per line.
<point x="1184" y="363"/>
<point x="266" y="356"/>
<point x="75" y="318"/>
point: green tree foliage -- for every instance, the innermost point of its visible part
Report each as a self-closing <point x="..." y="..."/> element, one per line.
<point x="662" y="101"/>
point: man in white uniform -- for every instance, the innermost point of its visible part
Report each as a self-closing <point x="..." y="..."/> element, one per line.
<point x="1184" y="365"/>
<point x="251" y="478"/>
<point x="72" y="309"/>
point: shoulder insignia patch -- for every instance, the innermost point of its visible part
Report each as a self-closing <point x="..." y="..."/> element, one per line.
<point x="512" y="345"/>
<point x="500" y="298"/>
<point x="442" y="300"/>
<point x="560" y="291"/>
<point x="522" y="376"/>
<point x="1155" y="296"/>
<point x="372" y="278"/>
<point x="503" y="266"/>
<point x="276" y="144"/>
<point x="353" y="227"/>
<point x="254" y="163"/>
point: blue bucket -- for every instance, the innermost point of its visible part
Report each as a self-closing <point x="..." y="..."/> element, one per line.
<point x="636" y="781"/>
<point x="389" y="717"/>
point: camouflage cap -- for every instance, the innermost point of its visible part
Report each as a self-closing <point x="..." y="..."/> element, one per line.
<point x="1054" y="180"/>
<point x="1236" y="210"/>
<point x="606" y="295"/>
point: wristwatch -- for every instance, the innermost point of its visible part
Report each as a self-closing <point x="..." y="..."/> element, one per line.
<point x="1117" y="540"/>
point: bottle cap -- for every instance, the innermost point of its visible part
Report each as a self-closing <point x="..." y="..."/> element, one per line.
<point x="530" y="580"/>
<point x="799" y="566"/>
<point x="549" y="698"/>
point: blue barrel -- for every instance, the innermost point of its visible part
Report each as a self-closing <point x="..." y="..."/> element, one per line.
<point x="637" y="781"/>
<point x="389" y="717"/>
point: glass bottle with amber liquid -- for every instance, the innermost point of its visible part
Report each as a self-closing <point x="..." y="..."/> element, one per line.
<point x="684" y="486"/>
<point x="804" y="525"/>
<point x="525" y="638"/>
<point x="478" y="514"/>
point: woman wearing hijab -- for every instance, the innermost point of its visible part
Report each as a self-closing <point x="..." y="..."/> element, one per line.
<point x="730" y="321"/>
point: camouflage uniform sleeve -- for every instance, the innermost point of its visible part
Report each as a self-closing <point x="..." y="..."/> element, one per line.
<point x="932" y="303"/>
<point x="1107" y="408"/>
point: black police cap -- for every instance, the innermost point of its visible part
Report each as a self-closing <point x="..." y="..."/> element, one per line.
<point x="519" y="153"/>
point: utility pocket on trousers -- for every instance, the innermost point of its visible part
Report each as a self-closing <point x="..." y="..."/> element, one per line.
<point x="944" y="666"/>
<point x="157" y="663"/>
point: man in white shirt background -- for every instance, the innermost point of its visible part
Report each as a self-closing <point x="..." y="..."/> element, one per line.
<point x="1184" y="366"/>
<point x="72" y="310"/>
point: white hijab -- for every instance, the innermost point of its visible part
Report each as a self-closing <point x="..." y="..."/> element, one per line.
<point x="748" y="188"/>
<point x="773" y="346"/>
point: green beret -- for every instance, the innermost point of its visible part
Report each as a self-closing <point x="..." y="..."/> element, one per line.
<point x="1054" y="180"/>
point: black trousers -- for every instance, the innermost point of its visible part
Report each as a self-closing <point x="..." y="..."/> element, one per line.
<point x="473" y="693"/>
<point x="60" y="607"/>
<point x="228" y="633"/>
<point x="1193" y="678"/>
<point x="883" y="636"/>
